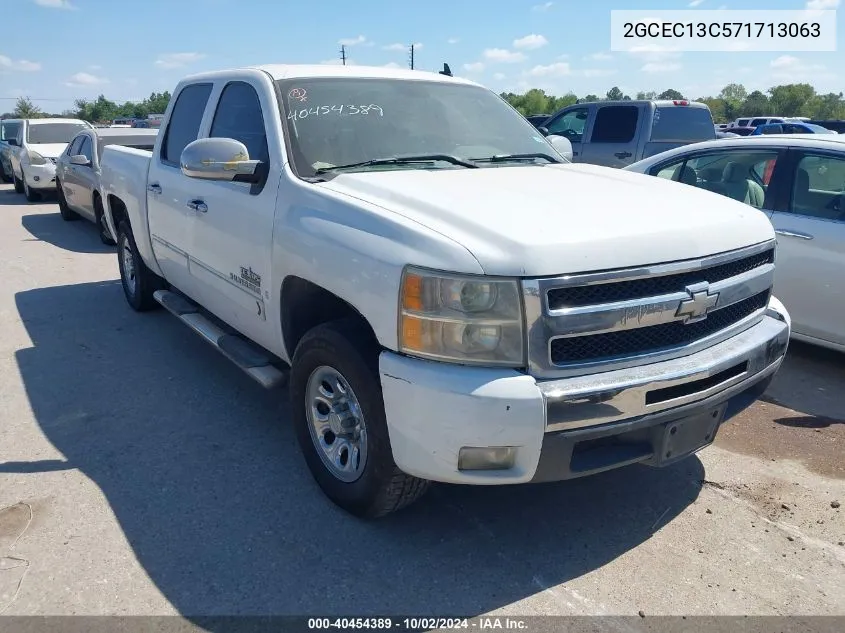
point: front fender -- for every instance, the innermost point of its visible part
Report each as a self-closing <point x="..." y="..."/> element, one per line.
<point x="357" y="251"/>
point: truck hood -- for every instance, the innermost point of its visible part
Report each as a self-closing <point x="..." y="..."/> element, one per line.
<point x="48" y="150"/>
<point x="562" y="219"/>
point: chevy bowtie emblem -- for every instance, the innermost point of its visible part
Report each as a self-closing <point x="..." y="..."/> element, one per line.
<point x="700" y="302"/>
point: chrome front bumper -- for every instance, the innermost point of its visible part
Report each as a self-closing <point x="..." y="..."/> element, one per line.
<point x="613" y="419"/>
<point x="752" y="355"/>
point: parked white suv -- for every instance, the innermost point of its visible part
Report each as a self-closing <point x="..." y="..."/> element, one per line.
<point x="39" y="144"/>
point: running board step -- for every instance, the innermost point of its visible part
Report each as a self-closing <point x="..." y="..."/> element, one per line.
<point x="245" y="354"/>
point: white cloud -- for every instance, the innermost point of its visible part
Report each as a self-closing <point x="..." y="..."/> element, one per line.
<point x="504" y="56"/>
<point x="530" y="42"/>
<point x="85" y="79"/>
<point x="597" y="72"/>
<point x="23" y="65"/>
<point x="95" y="67"/>
<point x="600" y="56"/>
<point x="475" y="67"/>
<point x="558" y="69"/>
<point x="695" y="3"/>
<point x="177" y="60"/>
<point x="654" y="52"/>
<point x="787" y="67"/>
<point x="821" y="5"/>
<point x="660" y="67"/>
<point x="392" y="65"/>
<point x="453" y="40"/>
<point x="55" y="4"/>
<point x="543" y="7"/>
<point x="499" y="76"/>
<point x="395" y="47"/>
<point x="337" y="62"/>
<point x="353" y="41"/>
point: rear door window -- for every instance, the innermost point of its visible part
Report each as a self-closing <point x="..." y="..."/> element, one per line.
<point x="615" y="124"/>
<point x="681" y="123"/>
<point x="184" y="124"/>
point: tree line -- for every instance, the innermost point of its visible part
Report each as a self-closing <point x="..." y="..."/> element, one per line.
<point x="732" y="102"/>
<point x="99" y="110"/>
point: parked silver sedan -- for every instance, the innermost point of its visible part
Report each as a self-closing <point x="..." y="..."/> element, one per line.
<point x="78" y="172"/>
<point x="798" y="181"/>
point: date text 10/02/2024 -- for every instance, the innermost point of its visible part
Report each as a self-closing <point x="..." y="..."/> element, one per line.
<point x="418" y="623"/>
<point x="325" y="110"/>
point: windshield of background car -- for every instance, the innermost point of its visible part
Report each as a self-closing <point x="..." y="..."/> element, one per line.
<point x="682" y="123"/>
<point x="52" y="132"/>
<point x="339" y="121"/>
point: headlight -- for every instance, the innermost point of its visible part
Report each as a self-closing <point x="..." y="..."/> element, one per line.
<point x="461" y="318"/>
<point x="36" y="159"/>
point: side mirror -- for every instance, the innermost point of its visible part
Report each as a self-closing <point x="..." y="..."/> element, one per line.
<point x="13" y="142"/>
<point x="219" y="159"/>
<point x="543" y="130"/>
<point x="79" y="159"/>
<point x="562" y="145"/>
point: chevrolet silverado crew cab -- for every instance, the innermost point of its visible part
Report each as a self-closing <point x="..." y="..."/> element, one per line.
<point x="446" y="297"/>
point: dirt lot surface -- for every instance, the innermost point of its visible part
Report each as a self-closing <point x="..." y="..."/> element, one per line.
<point x="141" y="473"/>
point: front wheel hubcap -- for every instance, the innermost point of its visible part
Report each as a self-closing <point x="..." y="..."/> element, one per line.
<point x="336" y="423"/>
<point x="128" y="265"/>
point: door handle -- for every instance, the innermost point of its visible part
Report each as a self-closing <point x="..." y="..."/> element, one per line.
<point x="154" y="188"/>
<point x="798" y="234"/>
<point x="198" y="205"/>
<point x="623" y="154"/>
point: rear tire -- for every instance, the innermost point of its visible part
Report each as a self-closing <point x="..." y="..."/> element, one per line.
<point x="64" y="210"/>
<point x="18" y="184"/>
<point x="3" y="175"/>
<point x="344" y="356"/>
<point x="139" y="282"/>
<point x="105" y="236"/>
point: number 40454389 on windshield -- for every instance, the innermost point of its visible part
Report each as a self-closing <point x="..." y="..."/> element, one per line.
<point x="329" y="110"/>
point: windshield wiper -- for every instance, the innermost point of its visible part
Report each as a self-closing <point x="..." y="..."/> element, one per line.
<point x="505" y="158"/>
<point x="402" y="160"/>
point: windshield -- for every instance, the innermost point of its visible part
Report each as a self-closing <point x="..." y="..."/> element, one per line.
<point x="682" y="123"/>
<point x="52" y="132"/>
<point x="342" y="121"/>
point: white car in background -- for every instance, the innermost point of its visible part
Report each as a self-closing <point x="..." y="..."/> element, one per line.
<point x="799" y="182"/>
<point x="39" y="143"/>
<point x="78" y="172"/>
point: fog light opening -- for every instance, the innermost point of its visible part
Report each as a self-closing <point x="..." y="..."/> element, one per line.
<point x="36" y="178"/>
<point x="486" y="457"/>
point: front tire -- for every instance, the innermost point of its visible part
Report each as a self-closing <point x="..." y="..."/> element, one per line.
<point x="31" y="195"/>
<point x="139" y="282"/>
<point x="340" y="423"/>
<point x="64" y="210"/>
<point x="100" y="216"/>
<point x="3" y="175"/>
<point x="18" y="184"/>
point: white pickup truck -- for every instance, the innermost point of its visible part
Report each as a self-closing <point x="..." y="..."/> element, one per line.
<point x="447" y="297"/>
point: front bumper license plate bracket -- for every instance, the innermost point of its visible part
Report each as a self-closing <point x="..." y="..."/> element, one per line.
<point x="688" y="435"/>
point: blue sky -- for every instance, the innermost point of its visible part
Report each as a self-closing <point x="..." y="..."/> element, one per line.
<point x="60" y="50"/>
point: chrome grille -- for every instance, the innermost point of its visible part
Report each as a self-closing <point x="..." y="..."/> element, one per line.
<point x="595" y="322"/>
<point x="652" y="286"/>
<point x="651" y="339"/>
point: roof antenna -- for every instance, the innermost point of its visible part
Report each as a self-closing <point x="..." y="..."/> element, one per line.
<point x="446" y="70"/>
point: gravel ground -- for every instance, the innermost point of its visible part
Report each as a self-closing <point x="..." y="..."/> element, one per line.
<point x="141" y="473"/>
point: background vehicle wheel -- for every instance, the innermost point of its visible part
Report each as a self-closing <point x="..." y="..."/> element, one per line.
<point x="18" y="184"/>
<point x="105" y="235"/>
<point x="339" y="420"/>
<point x="3" y="175"/>
<point x="139" y="282"/>
<point x="64" y="210"/>
<point x="31" y="196"/>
